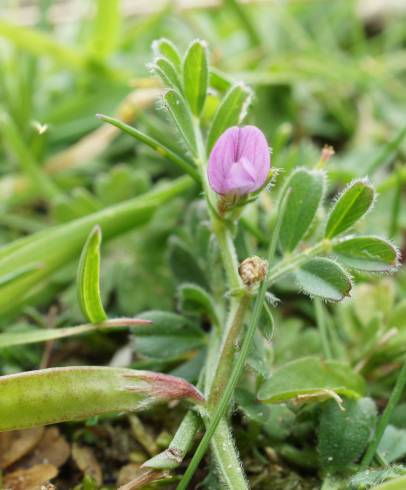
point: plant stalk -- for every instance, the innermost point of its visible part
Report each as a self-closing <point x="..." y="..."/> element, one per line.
<point x="223" y="403"/>
<point x="385" y="418"/>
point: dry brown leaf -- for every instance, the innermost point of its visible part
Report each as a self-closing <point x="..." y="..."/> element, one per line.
<point x="16" y="444"/>
<point x="87" y="462"/>
<point x="30" y="479"/>
<point x="51" y="449"/>
<point x="132" y="477"/>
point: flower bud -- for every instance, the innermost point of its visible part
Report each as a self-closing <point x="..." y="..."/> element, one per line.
<point x="253" y="270"/>
<point x="239" y="162"/>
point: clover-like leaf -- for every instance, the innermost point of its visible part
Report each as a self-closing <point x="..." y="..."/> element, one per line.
<point x="353" y="203"/>
<point x="306" y="192"/>
<point x="344" y="432"/>
<point x="367" y="253"/>
<point x="311" y="377"/>
<point x="88" y="279"/>
<point x="324" y="278"/>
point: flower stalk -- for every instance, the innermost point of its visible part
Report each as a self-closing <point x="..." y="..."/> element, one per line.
<point x="224" y="401"/>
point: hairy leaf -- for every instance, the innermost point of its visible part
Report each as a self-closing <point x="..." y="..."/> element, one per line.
<point x="311" y="377"/>
<point x="354" y="202"/>
<point x="167" y="73"/>
<point x="306" y="192"/>
<point x="181" y="116"/>
<point x="196" y="75"/>
<point x="230" y="112"/>
<point x="324" y="278"/>
<point x="164" y="47"/>
<point x="344" y="432"/>
<point x="367" y="253"/>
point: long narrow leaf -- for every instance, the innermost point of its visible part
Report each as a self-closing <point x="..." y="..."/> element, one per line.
<point x="44" y="335"/>
<point x="58" y="246"/>
<point x="185" y="165"/>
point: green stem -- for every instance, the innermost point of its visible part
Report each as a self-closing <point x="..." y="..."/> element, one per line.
<point x="223" y="446"/>
<point x="228" y="348"/>
<point x="228" y="253"/>
<point x="321" y="323"/>
<point x="385" y="418"/>
<point x="226" y="456"/>
<point x="293" y="261"/>
<point x="223" y="403"/>
<point x="185" y="165"/>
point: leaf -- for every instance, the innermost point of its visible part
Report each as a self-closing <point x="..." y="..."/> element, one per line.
<point x="184" y="263"/>
<point x="167" y="73"/>
<point x="41" y="44"/>
<point x="15" y="445"/>
<point x="193" y="298"/>
<point x="185" y="164"/>
<point x="49" y="396"/>
<point x="181" y="116"/>
<point x="276" y="421"/>
<point x="398" y="484"/>
<point x="371" y="478"/>
<point x="88" y="279"/>
<point x="30" y="478"/>
<point x="354" y="203"/>
<point x="59" y="245"/>
<point x="367" y="253"/>
<point x="324" y="278"/>
<point x="344" y="432"/>
<point x="267" y="323"/>
<point x="230" y="112"/>
<point x="43" y="335"/>
<point x="306" y="192"/>
<point x="311" y="376"/>
<point x="164" y="47"/>
<point x="169" y="336"/>
<point x="196" y="75"/>
<point x="106" y="27"/>
<point x="393" y="444"/>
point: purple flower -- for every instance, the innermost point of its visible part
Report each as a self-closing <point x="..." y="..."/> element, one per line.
<point x="239" y="162"/>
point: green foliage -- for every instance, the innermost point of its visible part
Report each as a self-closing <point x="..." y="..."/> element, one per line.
<point x="195" y="76"/>
<point x="182" y="117"/>
<point x="354" y="202"/>
<point x="167" y="73"/>
<point x="63" y="172"/>
<point x="324" y="278"/>
<point x="168" y="337"/>
<point x="76" y="393"/>
<point x="370" y="254"/>
<point x="306" y="192"/>
<point x="311" y="378"/>
<point x="230" y="112"/>
<point x="88" y="279"/>
<point x="344" y="432"/>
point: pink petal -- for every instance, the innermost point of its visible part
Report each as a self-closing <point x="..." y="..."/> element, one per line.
<point x="239" y="162"/>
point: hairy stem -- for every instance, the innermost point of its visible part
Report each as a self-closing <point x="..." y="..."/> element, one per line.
<point x="223" y="447"/>
<point x="228" y="348"/>
<point x="223" y="403"/>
